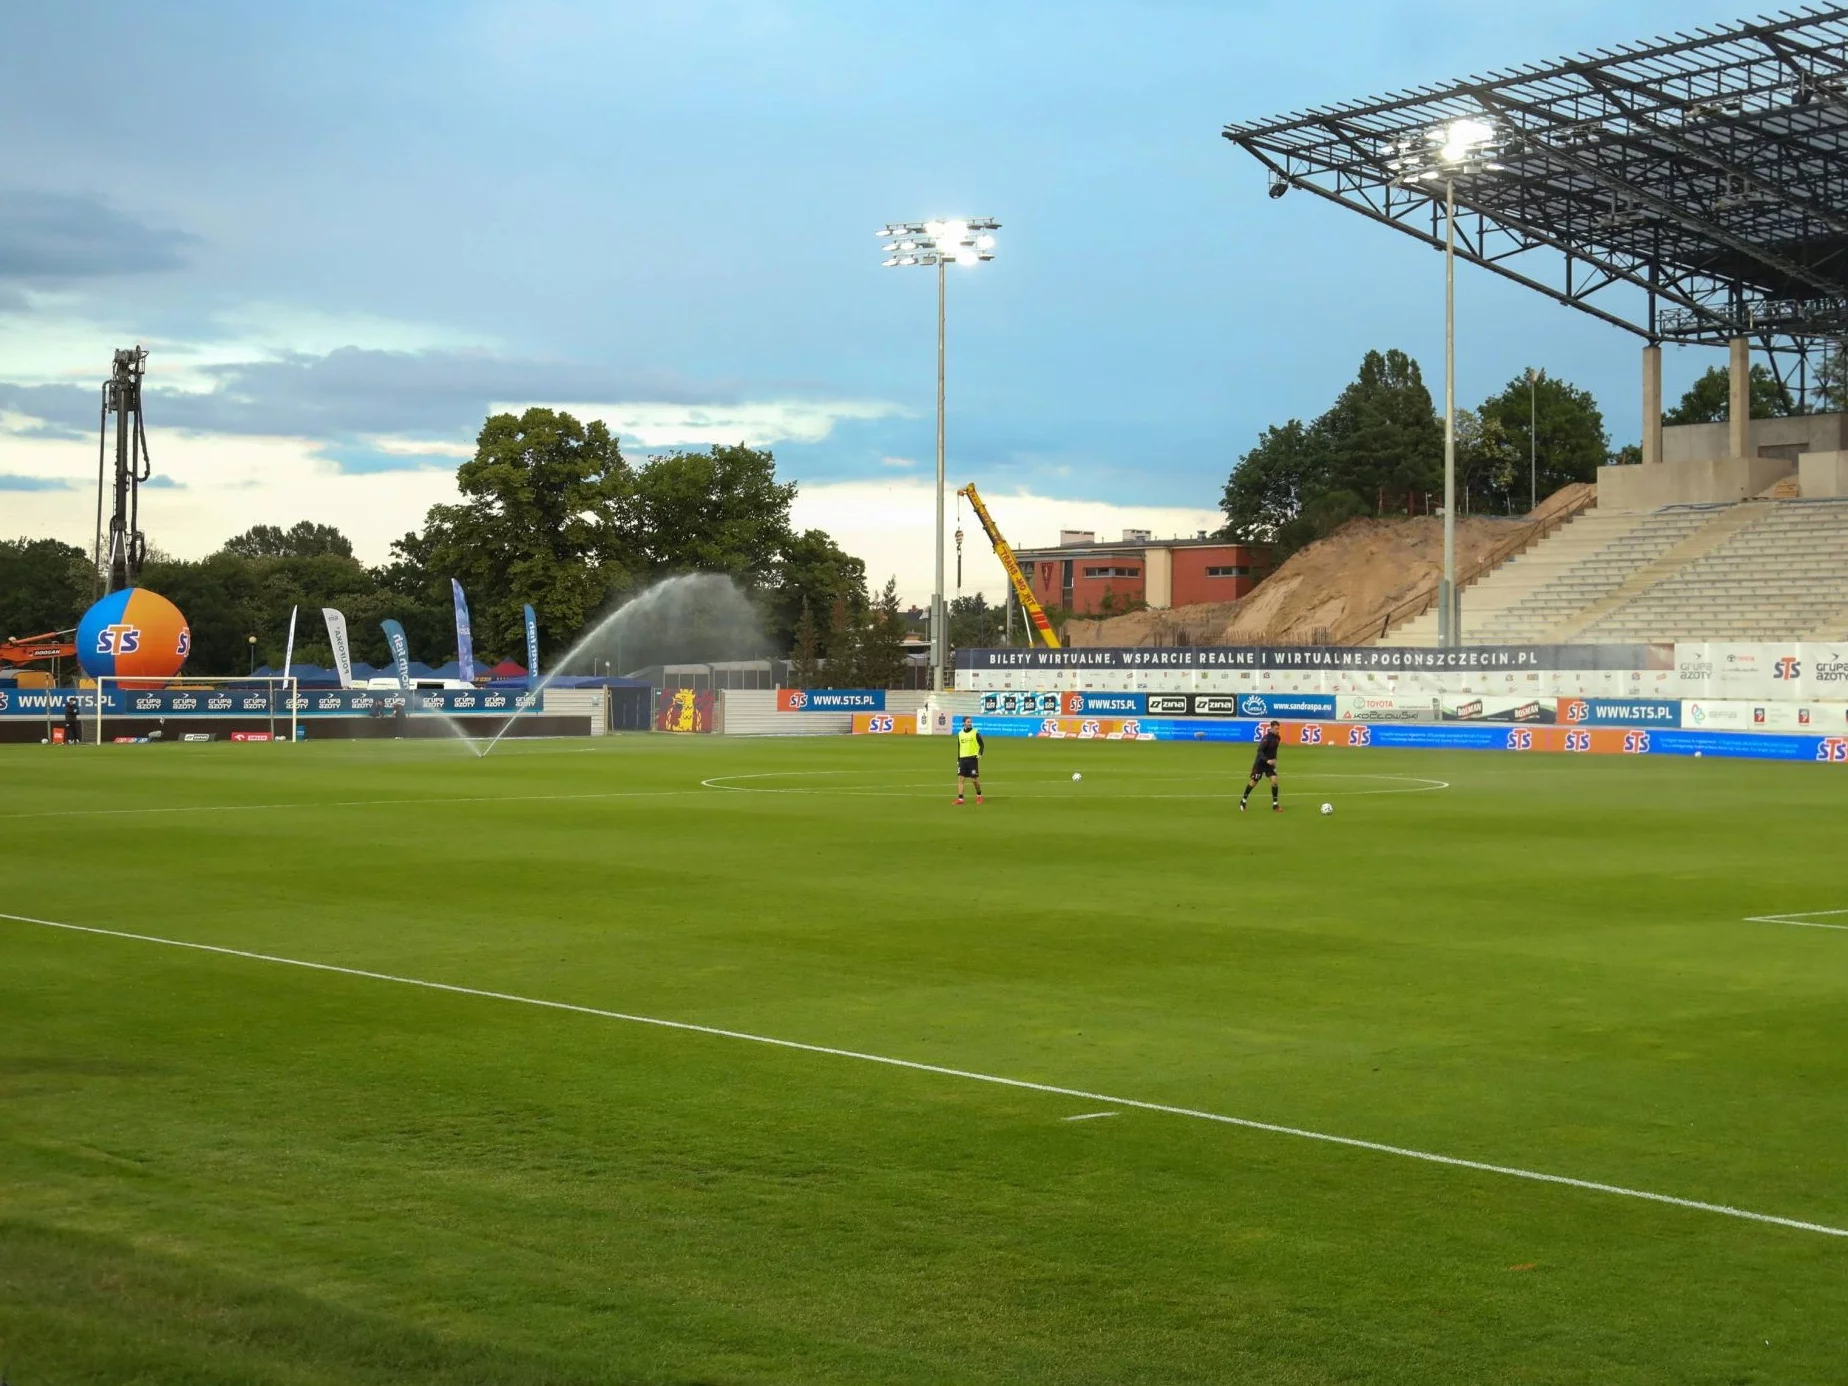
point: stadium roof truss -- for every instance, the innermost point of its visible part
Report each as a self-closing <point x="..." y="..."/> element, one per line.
<point x="1707" y="171"/>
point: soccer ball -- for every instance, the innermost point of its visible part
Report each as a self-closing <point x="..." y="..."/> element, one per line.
<point x="1328" y="808"/>
<point x="44" y="741"/>
<point x="1076" y="776"/>
<point x="1697" y="755"/>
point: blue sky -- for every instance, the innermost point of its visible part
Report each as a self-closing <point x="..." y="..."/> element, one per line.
<point x="348" y="230"/>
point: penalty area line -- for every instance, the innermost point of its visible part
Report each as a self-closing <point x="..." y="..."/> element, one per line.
<point x="967" y="1075"/>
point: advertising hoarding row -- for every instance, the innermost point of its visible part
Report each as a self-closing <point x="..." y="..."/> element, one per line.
<point x="1581" y="740"/>
<point x="245" y="702"/>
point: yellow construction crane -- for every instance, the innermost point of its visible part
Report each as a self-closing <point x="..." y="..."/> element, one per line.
<point x="1022" y="589"/>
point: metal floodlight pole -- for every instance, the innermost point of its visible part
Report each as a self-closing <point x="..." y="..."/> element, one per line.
<point x="937" y="243"/>
<point x="1448" y="634"/>
<point x="939" y="644"/>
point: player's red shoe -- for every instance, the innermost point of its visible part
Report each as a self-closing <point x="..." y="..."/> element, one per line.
<point x="978" y="798"/>
<point x="959" y="798"/>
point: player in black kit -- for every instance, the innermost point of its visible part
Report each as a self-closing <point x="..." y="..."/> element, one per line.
<point x="1265" y="765"/>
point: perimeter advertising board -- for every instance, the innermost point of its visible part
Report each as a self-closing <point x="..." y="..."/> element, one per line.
<point x="1454" y="736"/>
<point x="240" y="702"/>
<point x="830" y="700"/>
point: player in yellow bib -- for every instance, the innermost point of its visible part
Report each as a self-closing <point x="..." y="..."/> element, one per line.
<point x="969" y="748"/>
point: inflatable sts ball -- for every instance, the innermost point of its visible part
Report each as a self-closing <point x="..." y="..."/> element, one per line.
<point x="133" y="633"/>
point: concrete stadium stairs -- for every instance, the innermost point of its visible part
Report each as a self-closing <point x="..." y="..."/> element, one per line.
<point x="1759" y="570"/>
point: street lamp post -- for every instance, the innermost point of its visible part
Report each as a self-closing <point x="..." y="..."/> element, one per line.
<point x="253" y="652"/>
<point x="1458" y="147"/>
<point x="964" y="241"/>
<point x="1533" y="440"/>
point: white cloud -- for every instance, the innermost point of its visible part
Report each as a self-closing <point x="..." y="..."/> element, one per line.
<point x="890" y="524"/>
<point x="898" y="463"/>
<point x="397" y="445"/>
<point x="657" y="424"/>
<point x="223" y="486"/>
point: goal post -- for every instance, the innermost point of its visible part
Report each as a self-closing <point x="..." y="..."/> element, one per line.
<point x="260" y="707"/>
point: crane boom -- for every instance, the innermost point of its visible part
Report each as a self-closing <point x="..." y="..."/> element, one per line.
<point x="1022" y="589"/>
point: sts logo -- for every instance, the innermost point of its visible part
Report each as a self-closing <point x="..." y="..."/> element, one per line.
<point x="797" y="700"/>
<point x="1578" y="710"/>
<point x="118" y="640"/>
<point x="1787" y="668"/>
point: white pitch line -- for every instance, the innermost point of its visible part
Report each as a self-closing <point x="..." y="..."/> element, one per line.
<point x="1125" y="1103"/>
<point x="1088" y="1116"/>
<point x="1803" y="920"/>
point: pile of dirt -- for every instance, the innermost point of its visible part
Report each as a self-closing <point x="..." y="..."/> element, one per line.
<point x="1337" y="591"/>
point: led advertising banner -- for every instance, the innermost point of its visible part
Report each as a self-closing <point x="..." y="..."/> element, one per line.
<point x="1316" y="657"/>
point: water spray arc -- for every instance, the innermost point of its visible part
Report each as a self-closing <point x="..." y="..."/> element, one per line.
<point x="696" y="616"/>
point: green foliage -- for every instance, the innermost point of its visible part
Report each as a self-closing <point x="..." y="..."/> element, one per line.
<point x="813" y="575"/>
<point x="1709" y="399"/>
<point x="302" y="540"/>
<point x="882" y="649"/>
<point x="846" y="636"/>
<point x="1377" y="446"/>
<point x="974" y="624"/>
<point x="1832" y="379"/>
<point x="805" y="651"/>
<point x="1547" y="424"/>
<point x="45" y="585"/>
<point x="544" y="518"/>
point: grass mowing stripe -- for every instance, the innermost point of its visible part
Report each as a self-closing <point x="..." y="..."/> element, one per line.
<point x="352" y="803"/>
<point x="1353" y="1142"/>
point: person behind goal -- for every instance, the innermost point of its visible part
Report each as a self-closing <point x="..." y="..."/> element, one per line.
<point x="1265" y="766"/>
<point x="969" y="748"/>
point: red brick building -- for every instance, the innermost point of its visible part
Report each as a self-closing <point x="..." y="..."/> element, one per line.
<point x="1140" y="570"/>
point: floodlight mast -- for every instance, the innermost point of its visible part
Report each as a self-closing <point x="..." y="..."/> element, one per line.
<point x="952" y="240"/>
<point x="1462" y="146"/>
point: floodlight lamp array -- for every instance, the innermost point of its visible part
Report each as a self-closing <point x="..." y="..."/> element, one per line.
<point x="1465" y="145"/>
<point x="949" y="241"/>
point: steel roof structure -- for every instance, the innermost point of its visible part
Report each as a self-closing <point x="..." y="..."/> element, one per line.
<point x="1707" y="172"/>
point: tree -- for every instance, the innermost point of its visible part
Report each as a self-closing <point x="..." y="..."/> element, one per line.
<point x="545" y="519"/>
<point x="812" y="574"/>
<point x="301" y="540"/>
<point x="1385" y="443"/>
<point x="805" y="655"/>
<point x="1375" y="448"/>
<point x="882" y="652"/>
<point x="1263" y="499"/>
<point x="44" y="586"/>
<point x="1832" y="378"/>
<point x="974" y="624"/>
<point x="1548" y="425"/>
<point x="1709" y="399"/>
<point x="718" y="511"/>
<point x="845" y="633"/>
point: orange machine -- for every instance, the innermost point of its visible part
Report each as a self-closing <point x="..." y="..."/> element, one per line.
<point x="30" y="649"/>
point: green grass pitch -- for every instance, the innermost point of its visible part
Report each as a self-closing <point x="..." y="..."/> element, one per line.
<point x="220" y="1169"/>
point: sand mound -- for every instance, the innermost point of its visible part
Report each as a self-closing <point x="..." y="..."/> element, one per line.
<point x="1338" y="590"/>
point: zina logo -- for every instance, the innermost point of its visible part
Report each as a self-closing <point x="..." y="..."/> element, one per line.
<point x="119" y="639"/>
<point x="1786" y="668"/>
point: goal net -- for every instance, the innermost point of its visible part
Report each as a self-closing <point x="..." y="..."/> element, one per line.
<point x="186" y="707"/>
